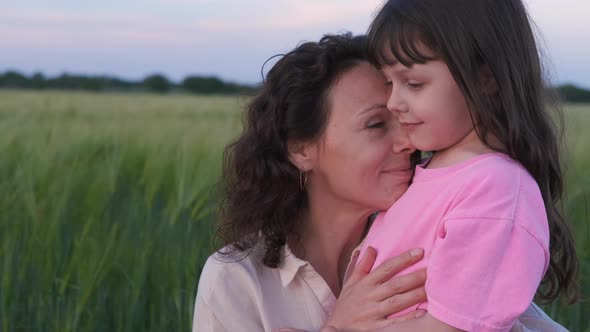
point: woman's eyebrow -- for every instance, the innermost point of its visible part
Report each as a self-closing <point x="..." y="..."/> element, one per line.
<point x="372" y="107"/>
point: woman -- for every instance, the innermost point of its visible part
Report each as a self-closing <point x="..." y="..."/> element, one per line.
<point x="320" y="153"/>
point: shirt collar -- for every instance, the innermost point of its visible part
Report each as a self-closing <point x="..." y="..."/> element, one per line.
<point x="290" y="265"/>
<point x="352" y="263"/>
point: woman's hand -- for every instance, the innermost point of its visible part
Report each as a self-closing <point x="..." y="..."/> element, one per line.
<point x="367" y="298"/>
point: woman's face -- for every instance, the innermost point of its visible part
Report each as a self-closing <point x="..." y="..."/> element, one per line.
<point x="363" y="157"/>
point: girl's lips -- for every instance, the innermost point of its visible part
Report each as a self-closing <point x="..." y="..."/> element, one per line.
<point x="410" y="125"/>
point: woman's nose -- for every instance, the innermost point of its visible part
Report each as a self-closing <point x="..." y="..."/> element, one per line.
<point x="402" y="142"/>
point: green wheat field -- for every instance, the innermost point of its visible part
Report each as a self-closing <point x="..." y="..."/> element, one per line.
<point x="108" y="203"/>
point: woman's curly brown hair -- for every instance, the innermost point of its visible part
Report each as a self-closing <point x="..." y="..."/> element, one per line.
<point x="261" y="194"/>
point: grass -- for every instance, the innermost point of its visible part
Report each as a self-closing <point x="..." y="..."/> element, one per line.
<point x="106" y="208"/>
<point x="108" y="203"/>
<point x="577" y="207"/>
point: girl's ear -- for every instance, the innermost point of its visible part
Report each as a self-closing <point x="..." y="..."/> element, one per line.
<point x="302" y="154"/>
<point x="487" y="81"/>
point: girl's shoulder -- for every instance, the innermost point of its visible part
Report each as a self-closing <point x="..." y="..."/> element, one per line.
<point x="497" y="170"/>
<point x="490" y="168"/>
<point x="498" y="163"/>
<point x="497" y="187"/>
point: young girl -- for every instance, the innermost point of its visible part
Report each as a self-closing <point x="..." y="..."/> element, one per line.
<point x="466" y="83"/>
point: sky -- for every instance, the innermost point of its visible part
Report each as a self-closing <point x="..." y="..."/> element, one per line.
<point x="230" y="39"/>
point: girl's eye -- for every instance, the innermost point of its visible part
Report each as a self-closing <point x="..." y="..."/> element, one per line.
<point x="388" y="83"/>
<point x="414" y="85"/>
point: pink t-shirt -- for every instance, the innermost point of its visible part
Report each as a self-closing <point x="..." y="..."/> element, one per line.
<point x="484" y="230"/>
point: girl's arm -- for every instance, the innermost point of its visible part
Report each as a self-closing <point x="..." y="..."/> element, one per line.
<point x="425" y="323"/>
<point x="532" y="320"/>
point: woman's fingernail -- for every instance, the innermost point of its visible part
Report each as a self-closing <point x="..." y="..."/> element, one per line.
<point x="416" y="252"/>
<point x="420" y="313"/>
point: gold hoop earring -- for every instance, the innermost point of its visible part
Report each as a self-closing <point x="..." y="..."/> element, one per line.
<point x="302" y="180"/>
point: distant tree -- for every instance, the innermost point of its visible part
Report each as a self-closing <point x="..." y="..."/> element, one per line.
<point x="63" y="81"/>
<point x="38" y="81"/>
<point x="196" y="84"/>
<point x="574" y="94"/>
<point x="117" y="84"/>
<point x="14" y="79"/>
<point x="211" y="84"/>
<point x="90" y="83"/>
<point x="157" y="83"/>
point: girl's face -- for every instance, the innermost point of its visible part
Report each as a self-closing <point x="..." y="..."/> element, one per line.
<point x="429" y="104"/>
<point x="363" y="157"/>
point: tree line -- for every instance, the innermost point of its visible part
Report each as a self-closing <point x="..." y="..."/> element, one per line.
<point x="157" y="83"/>
<point x="574" y="94"/>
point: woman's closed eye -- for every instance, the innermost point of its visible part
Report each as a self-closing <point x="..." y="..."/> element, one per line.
<point x="375" y="124"/>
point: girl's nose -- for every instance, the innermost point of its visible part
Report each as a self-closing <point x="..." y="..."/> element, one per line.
<point x="396" y="103"/>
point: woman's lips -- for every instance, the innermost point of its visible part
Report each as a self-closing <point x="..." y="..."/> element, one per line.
<point x="399" y="171"/>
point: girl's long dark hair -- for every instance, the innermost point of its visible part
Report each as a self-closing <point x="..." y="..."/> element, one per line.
<point x="262" y="198"/>
<point x="471" y="37"/>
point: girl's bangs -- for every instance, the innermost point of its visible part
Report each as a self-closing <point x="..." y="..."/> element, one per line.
<point x="395" y="38"/>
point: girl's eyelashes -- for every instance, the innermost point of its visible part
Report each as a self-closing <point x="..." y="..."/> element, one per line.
<point x="414" y="85"/>
<point x="410" y="84"/>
